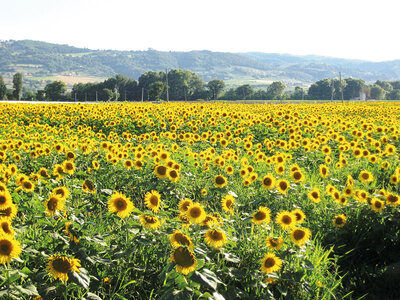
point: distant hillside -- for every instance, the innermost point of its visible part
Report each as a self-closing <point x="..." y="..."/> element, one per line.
<point x="41" y="61"/>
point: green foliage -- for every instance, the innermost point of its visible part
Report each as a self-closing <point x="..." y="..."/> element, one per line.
<point x="17" y="85"/>
<point x="55" y="90"/>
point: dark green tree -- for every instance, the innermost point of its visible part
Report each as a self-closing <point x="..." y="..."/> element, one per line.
<point x="3" y="89"/>
<point x="244" y="91"/>
<point x="393" y="95"/>
<point x="352" y="88"/>
<point x="215" y="86"/>
<point x="298" y="94"/>
<point x="275" y="90"/>
<point x="385" y="85"/>
<point x="40" y="95"/>
<point x="55" y="90"/>
<point x="377" y="92"/>
<point x="17" y="86"/>
<point x="155" y="90"/>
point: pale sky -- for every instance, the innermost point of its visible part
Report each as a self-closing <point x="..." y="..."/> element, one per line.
<point x="366" y="29"/>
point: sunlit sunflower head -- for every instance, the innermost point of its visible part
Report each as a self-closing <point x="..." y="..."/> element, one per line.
<point x="196" y="213"/>
<point x="274" y="243"/>
<point x="262" y="216"/>
<point x="43" y="173"/>
<point x="300" y="215"/>
<point x="88" y="186"/>
<point x="270" y="263"/>
<point x="120" y="204"/>
<point x="138" y="164"/>
<point x="297" y="176"/>
<point x="95" y="164"/>
<point x="6" y="229"/>
<point x="9" y="248"/>
<point x="184" y="219"/>
<point x="220" y="181"/>
<point x="227" y="203"/>
<point x="366" y="176"/>
<point x="149" y="221"/>
<point x="314" y="195"/>
<point x="178" y="238"/>
<point x="59" y="266"/>
<point x="282" y="185"/>
<point x="128" y="164"/>
<point x="161" y="171"/>
<point x="286" y="220"/>
<point x="348" y="191"/>
<point x="268" y="181"/>
<point x="69" y="167"/>
<point x="300" y="236"/>
<point x="377" y="205"/>
<point x="61" y="191"/>
<point x="392" y="199"/>
<point x="215" y="238"/>
<point x="153" y="200"/>
<point x="53" y="204"/>
<point x="184" y="204"/>
<point x="184" y="259"/>
<point x="5" y="199"/>
<point x="173" y="175"/>
<point x="8" y="213"/>
<point x="339" y="220"/>
<point x="323" y="171"/>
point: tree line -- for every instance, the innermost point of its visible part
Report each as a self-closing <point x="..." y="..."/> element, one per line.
<point x="186" y="85"/>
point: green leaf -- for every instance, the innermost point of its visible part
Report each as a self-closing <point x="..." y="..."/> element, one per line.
<point x="206" y="278"/>
<point x="81" y="279"/>
<point x="91" y="296"/>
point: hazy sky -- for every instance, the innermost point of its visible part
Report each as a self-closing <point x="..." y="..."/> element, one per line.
<point x="341" y="28"/>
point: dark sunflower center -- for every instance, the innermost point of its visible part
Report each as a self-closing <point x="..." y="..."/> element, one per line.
<point x="69" y="167"/>
<point x="5" y="247"/>
<point x="339" y="221"/>
<point x="183" y="257"/>
<point x="286" y="220"/>
<point x="173" y="174"/>
<point x="283" y="185"/>
<point x="120" y="204"/>
<point x="228" y="203"/>
<point x="273" y="242"/>
<point x="378" y="205"/>
<point x="52" y="204"/>
<point x="297" y="175"/>
<point x="392" y="198"/>
<point x="5" y="212"/>
<point x="154" y="200"/>
<point x="150" y="220"/>
<point x="195" y="212"/>
<point x="219" y="180"/>
<point x="27" y="185"/>
<point x="182" y="239"/>
<point x="323" y="171"/>
<point x="5" y="227"/>
<point x="216" y="235"/>
<point x="260" y="215"/>
<point x="185" y="205"/>
<point x="3" y="199"/>
<point x="298" y="216"/>
<point x="365" y="175"/>
<point x="314" y="195"/>
<point x="298" y="235"/>
<point x="269" y="262"/>
<point x="61" y="265"/>
<point x="161" y="170"/>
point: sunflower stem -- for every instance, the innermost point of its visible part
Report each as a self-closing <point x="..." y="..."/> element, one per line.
<point x="7" y="266"/>
<point x="65" y="294"/>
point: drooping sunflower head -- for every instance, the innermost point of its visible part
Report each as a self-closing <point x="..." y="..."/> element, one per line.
<point x="270" y="263"/>
<point x="120" y="204"/>
<point x="9" y="248"/>
<point x="149" y="221"/>
<point x="59" y="266"/>
<point x="153" y="200"/>
<point x="184" y="259"/>
<point x="88" y="186"/>
<point x="268" y="181"/>
<point x="196" y="213"/>
<point x="220" y="181"/>
<point x="178" y="238"/>
<point x="262" y="216"/>
<point x="53" y="204"/>
<point x="300" y="236"/>
<point x="227" y="203"/>
<point x="274" y="243"/>
<point x="286" y="220"/>
<point x="339" y="220"/>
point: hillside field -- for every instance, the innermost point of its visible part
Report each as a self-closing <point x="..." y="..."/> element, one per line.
<point x="199" y="201"/>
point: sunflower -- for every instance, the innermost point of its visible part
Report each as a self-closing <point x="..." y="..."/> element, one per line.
<point x="184" y="259"/>
<point x="392" y="199"/>
<point x="59" y="266"/>
<point x="184" y="219"/>
<point x="220" y="181"/>
<point x="184" y="204"/>
<point x="43" y="173"/>
<point x="95" y="164"/>
<point x="69" y="167"/>
<point x="161" y="171"/>
<point x="153" y="200"/>
<point x="8" y="213"/>
<point x="366" y="176"/>
<point x="300" y="215"/>
<point x="149" y="221"/>
<point x="138" y="164"/>
<point x="377" y="205"/>
<point x="314" y="195"/>
<point x="339" y="220"/>
<point x="227" y="203"/>
<point x="203" y="192"/>
<point x="274" y="243"/>
<point x="196" y="213"/>
<point x="323" y="171"/>
<point x="61" y="191"/>
<point x="300" y="236"/>
<point x="6" y="229"/>
<point x="268" y="181"/>
<point x="229" y="170"/>
<point x="88" y="186"/>
<point x="120" y="204"/>
<point x="348" y="191"/>
<point x="9" y="248"/>
<point x="263" y="215"/>
<point x="209" y="221"/>
<point x="178" y="238"/>
<point x="215" y="238"/>
<point x="128" y="164"/>
<point x="297" y="176"/>
<point x="280" y="169"/>
<point x="173" y="175"/>
<point x="282" y="185"/>
<point x="270" y="263"/>
<point x="53" y="204"/>
<point x="286" y="220"/>
<point x="350" y="181"/>
<point x="70" y="233"/>
<point x="5" y="199"/>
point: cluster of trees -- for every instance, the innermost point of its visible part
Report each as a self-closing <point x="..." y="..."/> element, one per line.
<point x="186" y="85"/>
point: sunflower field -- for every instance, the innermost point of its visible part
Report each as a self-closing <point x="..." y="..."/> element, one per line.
<point x="199" y="201"/>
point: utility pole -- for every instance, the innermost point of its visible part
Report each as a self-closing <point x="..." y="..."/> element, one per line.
<point x="166" y="77"/>
<point x="75" y="96"/>
<point x="332" y="89"/>
<point x="85" y="97"/>
<point x="142" y="94"/>
<point x="125" y="95"/>
<point x="96" y="97"/>
<point x="341" y="87"/>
